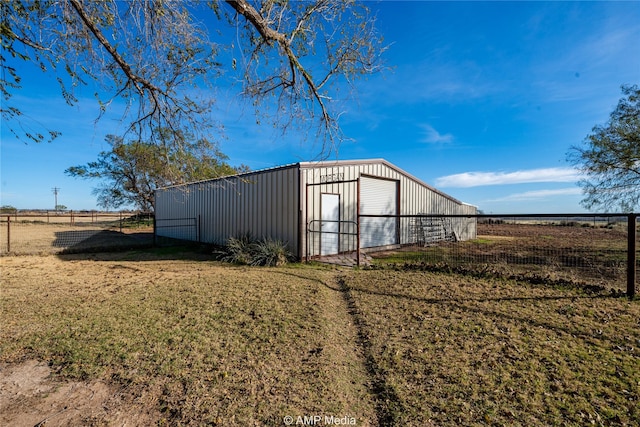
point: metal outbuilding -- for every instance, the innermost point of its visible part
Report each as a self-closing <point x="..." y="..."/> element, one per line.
<point x="318" y="208"/>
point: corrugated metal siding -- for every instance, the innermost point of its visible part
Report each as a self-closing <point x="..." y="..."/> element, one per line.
<point x="264" y="204"/>
<point x="284" y="203"/>
<point x="415" y="198"/>
<point x="334" y="179"/>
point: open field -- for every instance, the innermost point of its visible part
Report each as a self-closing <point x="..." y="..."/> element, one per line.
<point x="168" y="338"/>
<point x="578" y="252"/>
<point x="66" y="217"/>
<point x="40" y="238"/>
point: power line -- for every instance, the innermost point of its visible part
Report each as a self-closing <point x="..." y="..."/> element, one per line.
<point x="56" y="190"/>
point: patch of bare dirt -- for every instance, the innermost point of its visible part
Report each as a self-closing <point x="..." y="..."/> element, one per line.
<point x="31" y="395"/>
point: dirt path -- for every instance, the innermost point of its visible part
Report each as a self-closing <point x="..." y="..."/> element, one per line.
<point x="387" y="403"/>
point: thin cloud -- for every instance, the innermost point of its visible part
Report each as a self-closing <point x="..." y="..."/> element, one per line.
<point x="432" y="136"/>
<point x="538" y="195"/>
<point x="477" y="179"/>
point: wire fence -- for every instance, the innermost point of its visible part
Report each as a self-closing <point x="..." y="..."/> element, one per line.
<point x="173" y="230"/>
<point x="47" y="232"/>
<point x="597" y="249"/>
<point x="589" y="249"/>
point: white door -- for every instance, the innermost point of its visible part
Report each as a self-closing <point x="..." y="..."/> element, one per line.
<point x="330" y="225"/>
<point x="378" y="197"/>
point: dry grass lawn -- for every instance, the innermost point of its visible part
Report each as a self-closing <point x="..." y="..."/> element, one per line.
<point x="462" y="351"/>
<point x="183" y="341"/>
<point x="164" y="338"/>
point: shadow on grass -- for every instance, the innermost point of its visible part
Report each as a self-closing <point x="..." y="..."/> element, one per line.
<point x="114" y="246"/>
<point x="92" y="241"/>
<point x="110" y="245"/>
<point x="389" y="406"/>
<point x="466" y="304"/>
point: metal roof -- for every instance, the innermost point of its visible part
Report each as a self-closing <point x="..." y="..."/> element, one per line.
<point x="324" y="164"/>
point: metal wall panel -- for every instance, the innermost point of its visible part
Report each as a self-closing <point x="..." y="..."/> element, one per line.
<point x="264" y="204"/>
<point x="284" y="203"/>
<point x="415" y="197"/>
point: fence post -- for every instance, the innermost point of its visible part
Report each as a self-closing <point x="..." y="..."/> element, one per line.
<point x="358" y="223"/>
<point x="631" y="255"/>
<point x="199" y="228"/>
<point x="8" y="233"/>
<point x="155" y="231"/>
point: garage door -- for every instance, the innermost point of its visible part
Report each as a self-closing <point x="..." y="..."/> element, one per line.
<point x="378" y="197"/>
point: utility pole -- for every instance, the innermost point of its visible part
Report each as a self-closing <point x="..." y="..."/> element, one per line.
<point x="55" y="193"/>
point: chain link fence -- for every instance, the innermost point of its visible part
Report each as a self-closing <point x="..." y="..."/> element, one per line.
<point x="46" y="232"/>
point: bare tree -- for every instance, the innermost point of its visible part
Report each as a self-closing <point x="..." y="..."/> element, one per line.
<point x="337" y="38"/>
<point x="294" y="58"/>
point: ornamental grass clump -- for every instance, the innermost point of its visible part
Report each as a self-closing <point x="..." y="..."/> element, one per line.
<point x="270" y="252"/>
<point x="238" y="249"/>
<point x="246" y="250"/>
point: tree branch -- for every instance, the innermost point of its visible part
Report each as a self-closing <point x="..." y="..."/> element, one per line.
<point x="270" y="35"/>
<point x="126" y="68"/>
<point x="258" y="22"/>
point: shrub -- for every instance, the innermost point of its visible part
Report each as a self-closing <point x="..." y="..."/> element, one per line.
<point x="270" y="252"/>
<point x="244" y="249"/>
<point x="238" y="249"/>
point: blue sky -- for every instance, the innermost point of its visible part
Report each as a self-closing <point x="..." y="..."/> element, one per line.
<point x="481" y="99"/>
